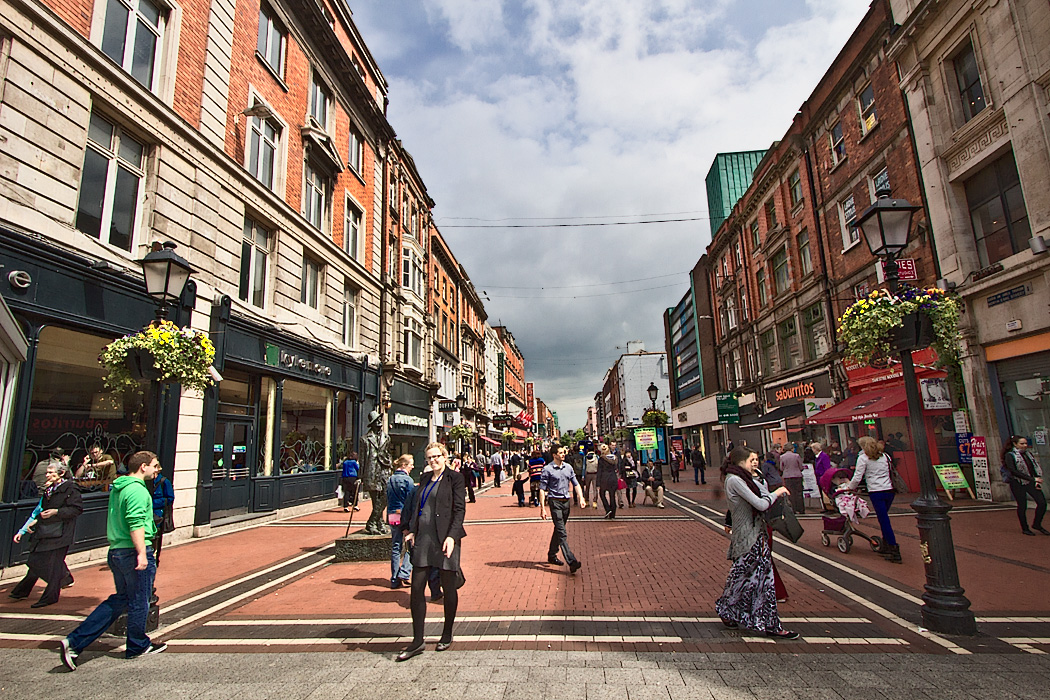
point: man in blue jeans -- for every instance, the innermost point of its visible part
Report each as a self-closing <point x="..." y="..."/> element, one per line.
<point x="399" y="491"/>
<point x="129" y="526"/>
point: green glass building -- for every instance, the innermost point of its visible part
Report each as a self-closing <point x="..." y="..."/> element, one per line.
<point x="727" y="181"/>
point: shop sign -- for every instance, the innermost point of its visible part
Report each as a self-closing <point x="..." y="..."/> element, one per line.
<point x="645" y="438"/>
<point x="502" y="420"/>
<point x="816" y="405"/>
<point x="448" y="418"/>
<point x="530" y="404"/>
<point x="951" y="477"/>
<point x="798" y="392"/>
<point x="414" y="421"/>
<point x="501" y="374"/>
<point x="982" y="480"/>
<point x="906" y="271"/>
<point x="962" y="420"/>
<point x="683" y="417"/>
<point x="1009" y="295"/>
<point x="1039" y="436"/>
<point x="962" y="442"/>
<point x="936" y="395"/>
<point x="728" y="408"/>
<point x="275" y="357"/>
<point x="862" y="375"/>
<point x="449" y="405"/>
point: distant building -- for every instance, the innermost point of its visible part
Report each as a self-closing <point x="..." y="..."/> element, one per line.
<point x="727" y="181"/>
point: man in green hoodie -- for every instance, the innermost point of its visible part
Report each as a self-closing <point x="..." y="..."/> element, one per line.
<point x="129" y="528"/>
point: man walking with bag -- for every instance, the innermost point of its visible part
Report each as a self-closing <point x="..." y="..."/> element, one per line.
<point x="129" y="527"/>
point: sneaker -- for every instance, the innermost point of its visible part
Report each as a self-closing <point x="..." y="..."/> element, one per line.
<point x="69" y="656"/>
<point x="782" y="634"/>
<point x="153" y="648"/>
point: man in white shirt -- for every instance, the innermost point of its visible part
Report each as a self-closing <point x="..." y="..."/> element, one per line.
<point x="497" y="467"/>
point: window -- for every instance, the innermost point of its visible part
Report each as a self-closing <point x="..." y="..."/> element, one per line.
<point x="767" y="352"/>
<point x="755" y="240"/>
<point x="743" y="305"/>
<point x="310" y="288"/>
<point x="866" y="103"/>
<point x="968" y="82"/>
<point x="132" y="36"/>
<point x="804" y="257"/>
<point x="262" y="151"/>
<point x="738" y="255"/>
<point x="271" y="41"/>
<point x="997" y="211"/>
<point x="790" y="350"/>
<point x="110" y="184"/>
<point x="315" y="197"/>
<point x="320" y="101"/>
<point x="771" y="214"/>
<point x="412" y="272"/>
<point x="814" y="332"/>
<point x="349" y="316"/>
<point x="795" y="185"/>
<point x="880" y="182"/>
<point x="255" y="259"/>
<point x="738" y="365"/>
<point x="413" y="344"/>
<point x="861" y="290"/>
<point x="838" y="143"/>
<point x="781" y="274"/>
<point x="760" y="281"/>
<point x="848" y="219"/>
<point x="729" y="310"/>
<point x="356" y="152"/>
<point x="352" y="229"/>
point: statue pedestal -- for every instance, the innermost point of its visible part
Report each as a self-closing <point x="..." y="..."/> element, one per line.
<point x="361" y="547"/>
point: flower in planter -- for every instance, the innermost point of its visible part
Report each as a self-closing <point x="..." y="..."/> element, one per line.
<point x="866" y="326"/>
<point x="179" y="355"/>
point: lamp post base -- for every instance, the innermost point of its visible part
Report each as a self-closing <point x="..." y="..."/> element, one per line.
<point x="945" y="610"/>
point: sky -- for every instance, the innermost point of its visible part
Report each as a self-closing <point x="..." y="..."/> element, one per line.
<point x="521" y="114"/>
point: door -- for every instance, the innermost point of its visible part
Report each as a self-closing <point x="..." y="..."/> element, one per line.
<point x="231" y="467"/>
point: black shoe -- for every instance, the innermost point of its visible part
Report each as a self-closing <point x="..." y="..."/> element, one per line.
<point x="1042" y="530"/>
<point x="68" y="583"/>
<point x="43" y="603"/>
<point x="153" y="648"/>
<point x="574" y="566"/>
<point x="729" y="624"/>
<point x="12" y="596"/>
<point x="443" y="646"/>
<point x="396" y="583"/>
<point x="555" y="560"/>
<point x="410" y="652"/>
<point x="1027" y="532"/>
<point x="782" y="634"/>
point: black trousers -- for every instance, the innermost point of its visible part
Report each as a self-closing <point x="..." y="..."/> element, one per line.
<point x="418" y="602"/>
<point x="1021" y="493"/>
<point x="519" y="489"/>
<point x="608" y="497"/>
<point x="497" y="473"/>
<point x="560" y="536"/>
<point x="49" y="565"/>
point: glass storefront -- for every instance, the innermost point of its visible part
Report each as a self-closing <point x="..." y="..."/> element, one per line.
<point x="1025" y="386"/>
<point x="306" y="438"/>
<point x="72" y="409"/>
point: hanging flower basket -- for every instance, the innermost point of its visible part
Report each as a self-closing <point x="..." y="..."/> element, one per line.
<point x="880" y="325"/>
<point x="160" y="351"/>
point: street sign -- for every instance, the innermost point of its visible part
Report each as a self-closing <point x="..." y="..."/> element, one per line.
<point x="728" y="408"/>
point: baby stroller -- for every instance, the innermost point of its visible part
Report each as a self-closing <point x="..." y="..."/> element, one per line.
<point x="841" y="526"/>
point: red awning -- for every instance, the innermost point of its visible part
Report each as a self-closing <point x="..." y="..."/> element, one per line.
<point x="489" y="440"/>
<point x="889" y="402"/>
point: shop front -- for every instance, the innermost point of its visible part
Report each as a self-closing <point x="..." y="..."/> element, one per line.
<point x="66" y="309"/>
<point x="278" y="426"/>
<point x="786" y="406"/>
<point x="878" y="407"/>
<point x="1021" y="371"/>
<point x="409" y="422"/>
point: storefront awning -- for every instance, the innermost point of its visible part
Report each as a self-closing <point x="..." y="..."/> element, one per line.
<point x="488" y="440"/>
<point x="889" y="402"/>
<point x="774" y="417"/>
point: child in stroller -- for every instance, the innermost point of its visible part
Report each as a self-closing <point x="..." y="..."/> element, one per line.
<point x="850" y="507"/>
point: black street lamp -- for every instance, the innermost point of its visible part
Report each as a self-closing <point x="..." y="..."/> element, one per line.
<point x="166" y="274"/>
<point x="945" y="609"/>
<point x="461" y="403"/>
<point x="653" y="391"/>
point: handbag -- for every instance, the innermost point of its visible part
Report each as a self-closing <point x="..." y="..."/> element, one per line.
<point x="899" y="484"/>
<point x="167" y="523"/>
<point x="621" y="484"/>
<point x="48" y="529"/>
<point x="781" y="518"/>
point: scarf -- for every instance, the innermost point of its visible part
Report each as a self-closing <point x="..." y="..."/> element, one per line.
<point x="1026" y="462"/>
<point x="747" y="476"/>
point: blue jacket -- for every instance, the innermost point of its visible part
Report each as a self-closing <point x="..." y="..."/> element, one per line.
<point x="350" y="468"/>
<point x="399" y="490"/>
<point x="163" y="495"/>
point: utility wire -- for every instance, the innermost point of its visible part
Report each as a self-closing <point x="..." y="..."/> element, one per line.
<point x="563" y="218"/>
<point x="594" y="223"/>
<point x="586" y="296"/>
<point x="579" y="286"/>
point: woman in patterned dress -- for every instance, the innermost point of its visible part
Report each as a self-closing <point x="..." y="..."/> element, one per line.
<point x="749" y="599"/>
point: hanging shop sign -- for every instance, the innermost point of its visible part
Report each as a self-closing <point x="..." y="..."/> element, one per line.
<point x="530" y="404"/>
<point x="936" y="396"/>
<point x="449" y="405"/>
<point x="817" y="404"/>
<point x="501" y="373"/>
<point x="728" y="408"/>
<point x="799" y="391"/>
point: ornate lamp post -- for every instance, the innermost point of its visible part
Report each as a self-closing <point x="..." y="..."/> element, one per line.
<point x="166" y="274"/>
<point x="461" y="403"/>
<point x="653" y="392"/>
<point x="885" y="225"/>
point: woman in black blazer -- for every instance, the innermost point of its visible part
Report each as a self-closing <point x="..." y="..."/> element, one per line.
<point x="60" y="502"/>
<point x="435" y="529"/>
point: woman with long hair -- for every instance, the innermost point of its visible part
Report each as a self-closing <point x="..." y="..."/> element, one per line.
<point x="749" y="599"/>
<point x="608" y="476"/>
<point x="629" y="473"/>
<point x="1021" y="471"/>
<point x="873" y="465"/>
<point x="435" y="530"/>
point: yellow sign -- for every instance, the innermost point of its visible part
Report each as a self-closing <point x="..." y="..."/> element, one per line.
<point x="645" y="438"/>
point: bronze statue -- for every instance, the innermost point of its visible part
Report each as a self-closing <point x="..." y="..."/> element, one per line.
<point x="377" y="466"/>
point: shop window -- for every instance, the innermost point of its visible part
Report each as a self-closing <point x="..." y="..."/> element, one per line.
<point x="110" y="184"/>
<point x="264" y="150"/>
<point x="310" y="286"/>
<point x="805" y="258"/>
<point x="255" y="263"/>
<point x="236" y="394"/>
<point x="848" y="221"/>
<point x="350" y="296"/>
<point x="352" y="229"/>
<point x="814" y="332"/>
<point x="795" y="187"/>
<point x="997" y="211"/>
<point x="71" y="408"/>
<point x="132" y="37"/>
<point x="866" y="106"/>
<point x="968" y="88"/>
<point x="347" y="409"/>
<point x="838" y="143"/>
<point x="790" y="348"/>
<point x="305" y="441"/>
<point x="781" y="274"/>
<point x="317" y="189"/>
<point x="356" y="152"/>
<point x="768" y="352"/>
<point x="272" y="40"/>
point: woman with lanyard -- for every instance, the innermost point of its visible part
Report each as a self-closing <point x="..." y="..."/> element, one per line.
<point x="1021" y="471"/>
<point x="435" y="530"/>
